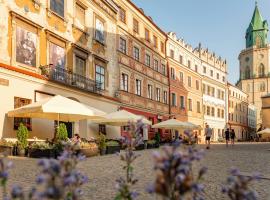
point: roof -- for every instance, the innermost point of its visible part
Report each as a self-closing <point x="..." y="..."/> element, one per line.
<point x="257" y="21"/>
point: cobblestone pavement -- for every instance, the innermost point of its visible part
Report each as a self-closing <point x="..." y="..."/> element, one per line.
<point x="104" y="170"/>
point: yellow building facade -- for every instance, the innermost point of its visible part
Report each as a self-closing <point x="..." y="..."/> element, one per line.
<point x="58" y="47"/>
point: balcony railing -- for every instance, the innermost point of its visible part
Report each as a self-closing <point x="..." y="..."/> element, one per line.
<point x="68" y="78"/>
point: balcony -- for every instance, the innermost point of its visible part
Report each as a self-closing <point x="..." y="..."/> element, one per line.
<point x="68" y="78"/>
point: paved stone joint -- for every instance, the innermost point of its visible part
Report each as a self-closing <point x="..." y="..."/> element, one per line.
<point x="103" y="171"/>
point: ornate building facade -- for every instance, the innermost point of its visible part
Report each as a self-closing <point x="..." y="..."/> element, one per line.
<point x="144" y="85"/>
<point x="185" y="81"/>
<point x="238" y="109"/>
<point x="214" y="89"/>
<point x="74" y="42"/>
<point x="254" y="63"/>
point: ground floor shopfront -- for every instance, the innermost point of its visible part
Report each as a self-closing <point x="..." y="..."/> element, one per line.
<point x="18" y="89"/>
<point x="217" y="125"/>
<point x="154" y="118"/>
<point x="241" y="131"/>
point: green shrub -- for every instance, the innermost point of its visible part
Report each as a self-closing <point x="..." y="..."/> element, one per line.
<point x="102" y="141"/>
<point x="62" y="134"/>
<point x="41" y="145"/>
<point x="112" y="143"/>
<point x="157" y="138"/>
<point x="22" y="135"/>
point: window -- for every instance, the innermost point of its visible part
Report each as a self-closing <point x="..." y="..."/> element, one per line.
<point x="189" y="64"/>
<point x="218" y="112"/>
<point x="261" y="70"/>
<point x="181" y="77"/>
<point x="123" y="46"/>
<point x="196" y="68"/>
<point x="100" y="77"/>
<point x="218" y="76"/>
<point x="172" y="54"/>
<point x="223" y="78"/>
<point x="165" y="97"/>
<point x="80" y="14"/>
<point x="204" y="70"/>
<point x="136" y="53"/>
<point x="173" y="99"/>
<point x="190" y="104"/>
<point x="57" y="57"/>
<point x="208" y="90"/>
<point x="147" y="60"/>
<point x="162" y="47"/>
<point x="204" y="88"/>
<point x="222" y="114"/>
<point x="80" y="67"/>
<point x="211" y="73"/>
<point x="147" y="35"/>
<point x="135" y="26"/>
<point x="172" y="73"/>
<point x="102" y="129"/>
<point x="181" y="59"/>
<point x="163" y="67"/>
<point x="57" y="6"/>
<point x="189" y="81"/>
<point x="158" y="94"/>
<point x="213" y="112"/>
<point x="99" y="32"/>
<point x="213" y="92"/>
<point x="19" y="102"/>
<point x="124" y="82"/>
<point x="222" y="95"/>
<point x="198" y="107"/>
<point x="155" y="41"/>
<point x="150" y="91"/>
<point x="122" y="15"/>
<point x="138" y="90"/>
<point x="208" y="110"/>
<point x="197" y="85"/>
<point x="182" y="102"/>
<point x="218" y="94"/>
<point x="262" y="87"/>
<point x="156" y="65"/>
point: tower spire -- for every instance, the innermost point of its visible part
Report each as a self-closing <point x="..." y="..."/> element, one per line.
<point x="257" y="31"/>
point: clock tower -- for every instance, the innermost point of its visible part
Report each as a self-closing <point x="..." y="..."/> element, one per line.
<point x="254" y="62"/>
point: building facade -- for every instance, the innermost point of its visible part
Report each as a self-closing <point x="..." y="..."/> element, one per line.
<point x="144" y="85"/>
<point x="254" y="63"/>
<point x="214" y="88"/>
<point x="185" y="81"/>
<point x="238" y="112"/>
<point x="252" y="120"/>
<point x="52" y="47"/>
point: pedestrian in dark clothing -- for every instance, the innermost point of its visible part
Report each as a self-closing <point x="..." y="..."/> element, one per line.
<point x="227" y="136"/>
<point x="232" y="137"/>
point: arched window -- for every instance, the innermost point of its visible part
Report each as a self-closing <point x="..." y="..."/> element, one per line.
<point x="262" y="87"/>
<point x="247" y="73"/>
<point x="261" y="70"/>
<point x="258" y="42"/>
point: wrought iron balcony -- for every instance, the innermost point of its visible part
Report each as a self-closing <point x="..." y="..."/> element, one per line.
<point x="68" y="78"/>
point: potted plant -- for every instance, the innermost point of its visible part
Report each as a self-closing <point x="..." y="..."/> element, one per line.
<point x="41" y="150"/>
<point x="113" y="147"/>
<point x="151" y="144"/>
<point x="157" y="140"/>
<point x="61" y="136"/>
<point x="102" y="144"/>
<point x="22" y="135"/>
<point x="89" y="149"/>
<point x="6" y="147"/>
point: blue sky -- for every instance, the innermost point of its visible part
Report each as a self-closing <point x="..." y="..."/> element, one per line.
<point x="219" y="25"/>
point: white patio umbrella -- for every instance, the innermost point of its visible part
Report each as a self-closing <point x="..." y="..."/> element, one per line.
<point x="57" y="108"/>
<point x="176" y="124"/>
<point x="264" y="133"/>
<point x="121" y="118"/>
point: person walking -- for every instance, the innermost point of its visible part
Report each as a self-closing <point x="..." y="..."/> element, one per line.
<point x="227" y="136"/>
<point x="232" y="137"/>
<point x="208" y="135"/>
